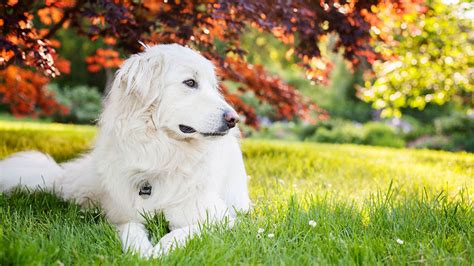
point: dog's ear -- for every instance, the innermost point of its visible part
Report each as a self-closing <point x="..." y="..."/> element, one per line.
<point x="140" y="76"/>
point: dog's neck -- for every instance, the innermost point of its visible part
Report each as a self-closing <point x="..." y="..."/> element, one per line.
<point x="148" y="148"/>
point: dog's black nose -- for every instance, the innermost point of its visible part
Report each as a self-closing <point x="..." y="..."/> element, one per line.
<point x="231" y="118"/>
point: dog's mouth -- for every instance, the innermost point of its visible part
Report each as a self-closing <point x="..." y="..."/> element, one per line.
<point x="189" y="130"/>
<point x="214" y="134"/>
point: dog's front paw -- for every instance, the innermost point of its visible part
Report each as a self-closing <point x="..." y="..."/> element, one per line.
<point x="167" y="243"/>
<point x="158" y="251"/>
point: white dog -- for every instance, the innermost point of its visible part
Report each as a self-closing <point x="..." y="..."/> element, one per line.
<point x="167" y="142"/>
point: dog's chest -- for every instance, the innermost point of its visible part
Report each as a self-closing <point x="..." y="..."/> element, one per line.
<point x="160" y="192"/>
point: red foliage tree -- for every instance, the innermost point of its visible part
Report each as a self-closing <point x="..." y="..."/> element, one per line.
<point x="201" y="24"/>
<point x="25" y="91"/>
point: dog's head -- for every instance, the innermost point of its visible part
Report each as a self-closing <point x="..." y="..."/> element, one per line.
<point x="177" y="88"/>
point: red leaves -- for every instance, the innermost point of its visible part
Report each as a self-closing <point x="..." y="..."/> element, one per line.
<point x="20" y="42"/>
<point x="203" y="24"/>
<point x="250" y="117"/>
<point x="25" y="92"/>
<point x="63" y="65"/>
<point x="103" y="58"/>
<point x="287" y="101"/>
<point x="60" y="3"/>
<point x="110" y="40"/>
<point x="12" y="2"/>
<point x="50" y="15"/>
<point x="5" y="56"/>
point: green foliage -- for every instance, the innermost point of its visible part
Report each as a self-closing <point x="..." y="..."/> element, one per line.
<point x="362" y="199"/>
<point x="436" y="142"/>
<point x="452" y="133"/>
<point x="339" y="98"/>
<point x="434" y="61"/>
<point x="278" y="130"/>
<point x="341" y="131"/>
<point x="76" y="48"/>
<point x="346" y="133"/>
<point x="250" y="99"/>
<point x="455" y="123"/>
<point x="419" y="130"/>
<point x="84" y="104"/>
<point x="429" y="113"/>
<point x="460" y="128"/>
<point x="379" y="134"/>
<point x="9" y="117"/>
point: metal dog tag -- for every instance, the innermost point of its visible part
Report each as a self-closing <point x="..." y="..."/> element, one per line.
<point x="145" y="190"/>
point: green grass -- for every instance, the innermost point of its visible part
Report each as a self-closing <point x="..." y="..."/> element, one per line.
<point x="362" y="199"/>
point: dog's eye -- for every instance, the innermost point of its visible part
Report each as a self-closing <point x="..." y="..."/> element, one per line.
<point x="191" y="83"/>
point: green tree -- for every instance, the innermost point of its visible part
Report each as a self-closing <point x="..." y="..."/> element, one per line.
<point x="337" y="96"/>
<point x="434" y="60"/>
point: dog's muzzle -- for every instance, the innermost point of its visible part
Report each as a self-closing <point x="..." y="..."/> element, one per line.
<point x="229" y="119"/>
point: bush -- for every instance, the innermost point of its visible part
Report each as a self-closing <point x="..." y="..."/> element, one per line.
<point x="455" y="123"/>
<point x="347" y="133"/>
<point x="379" y="134"/>
<point x="277" y="130"/>
<point x="331" y="131"/>
<point x="434" y="143"/>
<point x="307" y="132"/>
<point x="340" y="131"/>
<point x="84" y="104"/>
<point x="459" y="128"/>
<point x="463" y="141"/>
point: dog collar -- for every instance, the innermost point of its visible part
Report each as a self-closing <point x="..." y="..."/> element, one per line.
<point x="145" y="190"/>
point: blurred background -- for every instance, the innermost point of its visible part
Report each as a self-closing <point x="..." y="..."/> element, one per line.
<point x="384" y="73"/>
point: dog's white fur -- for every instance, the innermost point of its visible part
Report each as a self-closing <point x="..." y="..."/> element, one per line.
<point x="194" y="178"/>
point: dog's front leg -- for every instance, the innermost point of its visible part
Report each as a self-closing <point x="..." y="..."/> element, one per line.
<point x="187" y="218"/>
<point x="174" y="239"/>
<point x="135" y="238"/>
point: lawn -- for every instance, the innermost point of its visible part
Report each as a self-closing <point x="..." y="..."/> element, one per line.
<point x="314" y="204"/>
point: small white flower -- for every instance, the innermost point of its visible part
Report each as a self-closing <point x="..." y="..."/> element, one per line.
<point x="260" y="230"/>
<point x="312" y="223"/>
<point x="399" y="241"/>
<point x="259" y="236"/>
<point x="331" y="236"/>
<point x="271" y="235"/>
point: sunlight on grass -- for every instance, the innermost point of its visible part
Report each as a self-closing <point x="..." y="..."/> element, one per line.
<point x="63" y="142"/>
<point x="352" y="172"/>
